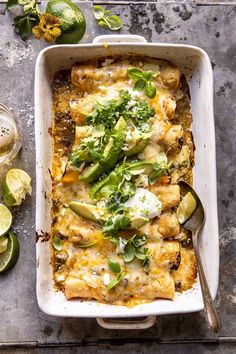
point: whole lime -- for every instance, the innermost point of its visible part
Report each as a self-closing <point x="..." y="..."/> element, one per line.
<point x="71" y="18"/>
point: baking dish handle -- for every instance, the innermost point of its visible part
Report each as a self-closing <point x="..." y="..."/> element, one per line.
<point x="112" y="323"/>
<point x="119" y="38"/>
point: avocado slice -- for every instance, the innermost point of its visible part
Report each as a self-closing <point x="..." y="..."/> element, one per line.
<point x="98" y="186"/>
<point x="91" y="173"/>
<point x="139" y="222"/>
<point x="138" y="147"/>
<point x="89" y="211"/>
<point x="137" y="166"/>
<point x="99" y="214"/>
<point x="144" y="165"/>
<point x="112" y="153"/>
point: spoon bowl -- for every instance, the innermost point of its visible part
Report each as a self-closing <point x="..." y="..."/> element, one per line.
<point x="194" y="224"/>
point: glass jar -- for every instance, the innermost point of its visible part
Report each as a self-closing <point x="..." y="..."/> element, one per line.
<point x="10" y="136"/>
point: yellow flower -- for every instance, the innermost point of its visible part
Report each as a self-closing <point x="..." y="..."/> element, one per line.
<point x="48" y="28"/>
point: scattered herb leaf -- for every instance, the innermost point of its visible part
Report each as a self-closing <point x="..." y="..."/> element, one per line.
<point x="114" y="266"/>
<point x="129" y="252"/>
<point x="116" y="281"/>
<point x="57" y="244"/>
<point x="159" y="169"/>
<point x="115" y="223"/>
<point x="105" y="19"/>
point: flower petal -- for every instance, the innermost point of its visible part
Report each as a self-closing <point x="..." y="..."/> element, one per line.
<point x="38" y="32"/>
<point x="50" y="19"/>
<point x="56" y="32"/>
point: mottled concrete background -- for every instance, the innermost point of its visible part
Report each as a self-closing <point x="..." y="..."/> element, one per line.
<point x="21" y="322"/>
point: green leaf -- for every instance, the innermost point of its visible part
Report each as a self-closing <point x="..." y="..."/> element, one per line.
<point x="113" y="22"/>
<point x="149" y="74"/>
<point x="98" y="12"/>
<point x="150" y="89"/>
<point x="57" y="244"/>
<point x="138" y="240"/>
<point x="116" y="281"/>
<point x="114" y="266"/>
<point x="139" y="85"/>
<point x="11" y="3"/>
<point x="134" y="73"/>
<point x="159" y="170"/>
<point x="129" y="252"/>
<point x="23" y="27"/>
<point x="140" y="255"/>
<point x="104" y="18"/>
<point x="101" y="23"/>
<point x="114" y="240"/>
<point x="115" y="223"/>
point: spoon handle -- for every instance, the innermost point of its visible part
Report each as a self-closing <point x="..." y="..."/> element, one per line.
<point x="209" y="307"/>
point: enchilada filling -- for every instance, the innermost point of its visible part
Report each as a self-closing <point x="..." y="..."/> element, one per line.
<point x="122" y="140"/>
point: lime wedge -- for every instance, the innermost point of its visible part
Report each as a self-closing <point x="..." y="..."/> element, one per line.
<point x="10" y="256"/>
<point x="16" y="185"/>
<point x="186" y="208"/>
<point x="3" y="244"/>
<point x="5" y="219"/>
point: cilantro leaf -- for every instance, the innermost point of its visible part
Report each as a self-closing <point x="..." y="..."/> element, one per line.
<point x="139" y="240"/>
<point x="116" y="281"/>
<point x="159" y="170"/>
<point x="129" y="252"/>
<point x="115" y="223"/>
<point x="114" y="266"/>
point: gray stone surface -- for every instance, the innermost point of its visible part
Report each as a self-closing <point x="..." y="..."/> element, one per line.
<point x="213" y="29"/>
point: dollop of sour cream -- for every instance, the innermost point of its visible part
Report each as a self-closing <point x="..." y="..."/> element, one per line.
<point x="144" y="204"/>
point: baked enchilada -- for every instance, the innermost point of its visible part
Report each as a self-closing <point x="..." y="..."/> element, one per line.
<point x="122" y="140"/>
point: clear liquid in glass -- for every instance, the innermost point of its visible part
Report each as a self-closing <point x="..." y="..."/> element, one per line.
<point x="10" y="137"/>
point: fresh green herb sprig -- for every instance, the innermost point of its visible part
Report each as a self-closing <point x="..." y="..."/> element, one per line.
<point x="30" y="17"/>
<point x="133" y="249"/>
<point x="119" y="221"/>
<point x="160" y="169"/>
<point x="116" y="281"/>
<point x="90" y="150"/>
<point x="105" y="19"/>
<point x="115" y="268"/>
<point x="108" y="114"/>
<point x="143" y="80"/>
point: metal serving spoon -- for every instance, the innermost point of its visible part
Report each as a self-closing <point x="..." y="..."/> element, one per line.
<point x="194" y="224"/>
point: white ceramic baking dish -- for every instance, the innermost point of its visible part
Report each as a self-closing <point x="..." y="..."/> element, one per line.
<point x="195" y="64"/>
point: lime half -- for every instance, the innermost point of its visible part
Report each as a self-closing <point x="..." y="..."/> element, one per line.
<point x="186" y="208"/>
<point x="10" y="256"/>
<point x="16" y="185"/>
<point x="3" y="244"/>
<point x="72" y="21"/>
<point x="5" y="219"/>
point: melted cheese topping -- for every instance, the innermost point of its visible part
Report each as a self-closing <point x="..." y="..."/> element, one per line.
<point x="83" y="271"/>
